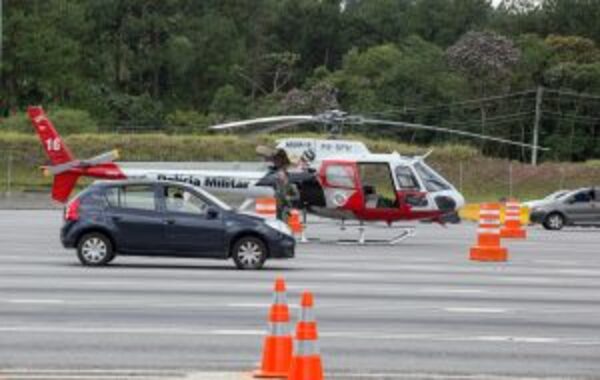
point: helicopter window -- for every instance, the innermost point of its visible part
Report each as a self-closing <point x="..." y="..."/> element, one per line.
<point x="378" y="186"/>
<point x="340" y="176"/>
<point x="406" y="178"/>
<point x="432" y="180"/>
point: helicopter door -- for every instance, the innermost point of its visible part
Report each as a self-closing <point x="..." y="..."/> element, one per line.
<point x="340" y="184"/>
<point x="409" y="192"/>
<point x="377" y="186"/>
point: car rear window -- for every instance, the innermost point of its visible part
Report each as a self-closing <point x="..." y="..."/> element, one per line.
<point x="140" y="197"/>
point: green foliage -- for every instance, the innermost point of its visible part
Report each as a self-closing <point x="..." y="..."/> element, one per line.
<point x="388" y="76"/>
<point x="16" y="123"/>
<point x="536" y="58"/>
<point x="573" y="49"/>
<point x="73" y="121"/>
<point x="182" y="121"/>
<point x="138" y="66"/>
<point x="136" y="113"/>
<point x="593" y="164"/>
<point x="581" y="78"/>
<point x="230" y="102"/>
<point x="70" y="121"/>
<point x="481" y="178"/>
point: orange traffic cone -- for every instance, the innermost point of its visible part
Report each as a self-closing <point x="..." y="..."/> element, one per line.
<point x="278" y="345"/>
<point x="512" y="221"/>
<point x="488" y="235"/>
<point x="306" y="364"/>
<point x="266" y="207"/>
<point x="294" y="222"/>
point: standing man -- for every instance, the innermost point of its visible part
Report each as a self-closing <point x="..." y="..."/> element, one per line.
<point x="284" y="191"/>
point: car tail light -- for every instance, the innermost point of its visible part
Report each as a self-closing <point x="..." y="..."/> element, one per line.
<point x="72" y="211"/>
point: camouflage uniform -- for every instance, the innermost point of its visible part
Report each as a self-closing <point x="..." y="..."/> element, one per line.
<point x="282" y="195"/>
<point x="283" y="188"/>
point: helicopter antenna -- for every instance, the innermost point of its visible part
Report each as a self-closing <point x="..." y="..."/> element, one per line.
<point x="423" y="157"/>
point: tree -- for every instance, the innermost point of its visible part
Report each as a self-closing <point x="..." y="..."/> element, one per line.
<point x="375" y="22"/>
<point x="229" y="102"/>
<point x="320" y="98"/>
<point x="571" y="17"/>
<point x="487" y="59"/>
<point x="42" y="62"/>
<point x="443" y="22"/>
<point x="573" y="49"/>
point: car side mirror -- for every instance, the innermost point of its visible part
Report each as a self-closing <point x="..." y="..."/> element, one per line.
<point x="212" y="213"/>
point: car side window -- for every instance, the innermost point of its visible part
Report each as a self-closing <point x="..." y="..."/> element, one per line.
<point x="112" y="196"/>
<point x="582" y="197"/>
<point x="139" y="197"/>
<point x="181" y="200"/>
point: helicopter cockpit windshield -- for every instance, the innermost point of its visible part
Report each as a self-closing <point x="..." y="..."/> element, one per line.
<point x="431" y="180"/>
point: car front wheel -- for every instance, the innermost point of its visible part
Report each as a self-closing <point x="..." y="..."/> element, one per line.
<point x="554" y="222"/>
<point x="249" y="253"/>
<point x="95" y="249"/>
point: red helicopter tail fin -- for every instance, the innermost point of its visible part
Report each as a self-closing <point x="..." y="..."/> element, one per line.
<point x="55" y="148"/>
<point x="63" y="186"/>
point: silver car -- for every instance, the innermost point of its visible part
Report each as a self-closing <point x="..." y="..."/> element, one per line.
<point x="578" y="208"/>
<point x="548" y="198"/>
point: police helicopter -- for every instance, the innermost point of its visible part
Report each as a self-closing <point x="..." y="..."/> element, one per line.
<point x="342" y="179"/>
<point x="337" y="179"/>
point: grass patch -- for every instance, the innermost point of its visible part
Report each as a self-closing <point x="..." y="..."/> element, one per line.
<point x="479" y="178"/>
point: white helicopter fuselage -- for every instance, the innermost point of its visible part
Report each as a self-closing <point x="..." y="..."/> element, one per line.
<point x="242" y="183"/>
<point x="243" y="179"/>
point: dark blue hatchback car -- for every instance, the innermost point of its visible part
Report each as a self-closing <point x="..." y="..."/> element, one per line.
<point x="156" y="218"/>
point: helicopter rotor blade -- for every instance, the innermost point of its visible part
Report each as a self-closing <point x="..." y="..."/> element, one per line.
<point x="262" y="120"/>
<point x="451" y="131"/>
<point x="277" y="127"/>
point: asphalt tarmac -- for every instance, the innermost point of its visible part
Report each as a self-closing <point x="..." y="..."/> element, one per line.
<point x="419" y="310"/>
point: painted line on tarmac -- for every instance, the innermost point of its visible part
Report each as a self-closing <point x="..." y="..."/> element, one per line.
<point x="120" y="374"/>
<point x="257" y="305"/>
<point x="36" y="301"/>
<point x="515" y="339"/>
<point x="433" y="376"/>
<point x="580" y="272"/>
<point x="348" y="308"/>
<point x="475" y="310"/>
<point x="452" y="290"/>
<point x="362" y="335"/>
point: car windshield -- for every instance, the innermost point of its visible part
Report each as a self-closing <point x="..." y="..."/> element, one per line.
<point x="557" y="195"/>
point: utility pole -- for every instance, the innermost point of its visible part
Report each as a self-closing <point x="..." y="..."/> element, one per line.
<point x="9" y="160"/>
<point x="536" y="124"/>
<point x="510" y="179"/>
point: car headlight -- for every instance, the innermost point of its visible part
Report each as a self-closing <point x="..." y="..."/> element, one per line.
<point x="279" y="226"/>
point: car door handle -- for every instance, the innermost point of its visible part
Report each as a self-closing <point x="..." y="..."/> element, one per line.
<point x="117" y="218"/>
<point x="170" y="221"/>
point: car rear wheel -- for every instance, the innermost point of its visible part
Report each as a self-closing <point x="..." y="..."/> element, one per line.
<point x="249" y="252"/>
<point x="95" y="249"/>
<point x="554" y="222"/>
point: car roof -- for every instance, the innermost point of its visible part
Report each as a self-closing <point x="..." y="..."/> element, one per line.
<point x="141" y="181"/>
<point x="125" y="182"/>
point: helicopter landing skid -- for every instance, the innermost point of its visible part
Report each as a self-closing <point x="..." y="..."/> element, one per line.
<point x="405" y="233"/>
